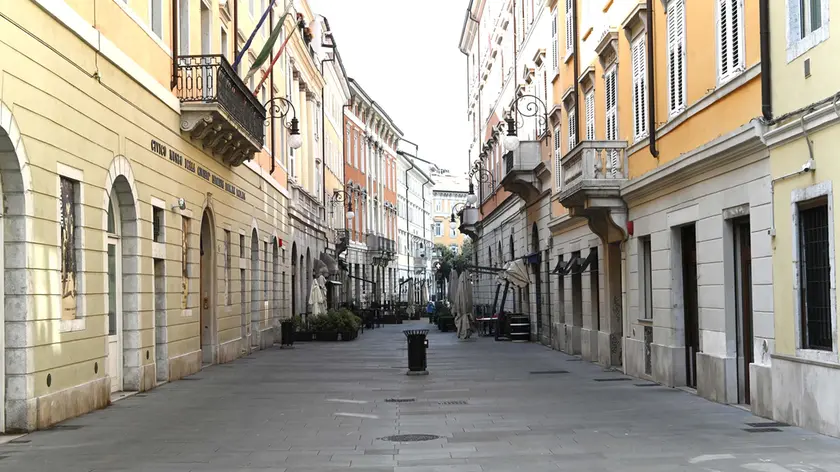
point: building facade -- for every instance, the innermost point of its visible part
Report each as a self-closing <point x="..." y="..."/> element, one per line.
<point x="803" y="129"/>
<point x="163" y="210"/>
<point x="414" y="226"/>
<point x="370" y="142"/>
<point x="449" y="196"/>
<point x="639" y="191"/>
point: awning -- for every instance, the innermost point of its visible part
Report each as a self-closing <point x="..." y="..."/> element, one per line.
<point x="332" y="265"/>
<point x="334" y="282"/>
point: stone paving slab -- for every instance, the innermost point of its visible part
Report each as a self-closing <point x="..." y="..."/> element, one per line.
<point x="322" y="407"/>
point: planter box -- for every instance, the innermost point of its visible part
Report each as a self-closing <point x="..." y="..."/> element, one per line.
<point x="326" y="336"/>
<point x="446" y="323"/>
<point x="349" y="336"/>
<point x="304" y="336"/>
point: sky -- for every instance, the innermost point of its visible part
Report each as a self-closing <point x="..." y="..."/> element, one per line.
<point x="404" y="54"/>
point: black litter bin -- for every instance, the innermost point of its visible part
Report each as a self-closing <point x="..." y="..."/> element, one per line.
<point x="416" y="351"/>
<point x="287" y="333"/>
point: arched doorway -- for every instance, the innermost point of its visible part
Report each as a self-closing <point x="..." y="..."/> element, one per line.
<point x="122" y="265"/>
<point x="207" y="288"/>
<point x="255" y="289"/>
<point x="14" y="189"/>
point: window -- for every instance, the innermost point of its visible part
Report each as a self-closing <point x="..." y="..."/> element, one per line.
<point x="264" y="27"/>
<point x="558" y="156"/>
<point x="555" y="45"/>
<point x="185" y="262"/>
<point x="572" y="130"/>
<point x="611" y="131"/>
<point x="815" y="275"/>
<point x="730" y="38"/>
<point x="223" y="44"/>
<point x="570" y="40"/>
<point x="807" y="25"/>
<point x="645" y="279"/>
<point x="241" y="245"/>
<point x="252" y="5"/>
<point x="227" y="267"/>
<point x="156" y="17"/>
<point x="184" y="27"/>
<point x="676" y="56"/>
<point x="590" y="116"/>
<point x="438" y="206"/>
<point x="355" y="150"/>
<point x="438" y="229"/>
<point x="68" y="220"/>
<point x="639" y="88"/>
<point x="157" y="224"/>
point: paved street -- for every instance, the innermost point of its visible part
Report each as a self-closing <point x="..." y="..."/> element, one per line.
<point x="496" y="407"/>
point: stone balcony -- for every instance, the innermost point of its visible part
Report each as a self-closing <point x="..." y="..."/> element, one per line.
<point x="523" y="169"/>
<point x="217" y="109"/>
<point x="592" y="176"/>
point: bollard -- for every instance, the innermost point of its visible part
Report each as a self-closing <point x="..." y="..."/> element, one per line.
<point x="417" y="345"/>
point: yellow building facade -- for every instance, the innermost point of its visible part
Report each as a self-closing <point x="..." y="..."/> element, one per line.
<point x="803" y="131"/>
<point x="148" y="218"/>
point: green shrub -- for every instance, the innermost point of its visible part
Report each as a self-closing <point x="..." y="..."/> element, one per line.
<point x="336" y="321"/>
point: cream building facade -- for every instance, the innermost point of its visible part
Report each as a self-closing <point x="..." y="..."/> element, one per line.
<point x="149" y="223"/>
<point x="449" y="196"/>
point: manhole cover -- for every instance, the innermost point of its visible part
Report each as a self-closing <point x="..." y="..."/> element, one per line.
<point x="646" y="385"/>
<point x="764" y="430"/>
<point x="768" y="425"/>
<point x="20" y="441"/>
<point x="399" y="400"/>
<point x="453" y="402"/>
<point x="548" y="372"/>
<point x="409" y="437"/>
<point x="612" y="379"/>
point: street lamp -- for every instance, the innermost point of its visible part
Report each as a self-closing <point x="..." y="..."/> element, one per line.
<point x="341" y="196"/>
<point x="534" y="107"/>
<point x="455" y="209"/>
<point x="279" y="107"/>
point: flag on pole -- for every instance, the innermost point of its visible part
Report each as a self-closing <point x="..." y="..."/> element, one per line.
<point x="254" y="33"/>
<point x="271" y="66"/>
<point x="265" y="53"/>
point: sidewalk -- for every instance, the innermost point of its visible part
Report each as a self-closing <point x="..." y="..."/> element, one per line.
<point x="496" y="406"/>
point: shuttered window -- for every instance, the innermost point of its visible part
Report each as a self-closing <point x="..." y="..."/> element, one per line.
<point x="590" y="116"/>
<point x="676" y="56"/>
<point x="611" y="119"/>
<point x="730" y="38"/>
<point x="570" y="40"/>
<point x="555" y="45"/>
<point x="639" y="88"/>
<point x="572" y="130"/>
<point x="558" y="156"/>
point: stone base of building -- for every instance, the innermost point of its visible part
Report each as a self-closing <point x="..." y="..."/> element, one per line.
<point x="589" y="344"/>
<point x="805" y="394"/>
<point x="634" y="358"/>
<point x="761" y="390"/>
<point x="266" y="338"/>
<point x="558" y="336"/>
<point x="72" y="402"/>
<point x="232" y="350"/>
<point x="668" y="365"/>
<point x="572" y="338"/>
<point x="609" y="349"/>
<point x="717" y="378"/>
<point x="148" y="377"/>
<point x="184" y="365"/>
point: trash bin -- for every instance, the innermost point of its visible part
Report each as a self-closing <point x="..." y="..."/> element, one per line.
<point x="287" y="333"/>
<point x="416" y="351"/>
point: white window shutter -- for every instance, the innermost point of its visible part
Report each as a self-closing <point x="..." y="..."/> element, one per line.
<point x="590" y="116"/>
<point x="555" y="57"/>
<point x="639" y="88"/>
<point x="572" y="127"/>
<point x="676" y="59"/>
<point x="570" y="43"/>
<point x="723" y="38"/>
<point x="558" y="156"/>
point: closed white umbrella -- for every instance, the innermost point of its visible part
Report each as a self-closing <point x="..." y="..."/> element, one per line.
<point x="453" y="287"/>
<point x="465" y="319"/>
<point x="318" y="296"/>
<point x="516" y="273"/>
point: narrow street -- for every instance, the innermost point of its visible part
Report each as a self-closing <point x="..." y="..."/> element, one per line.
<point x="496" y="407"/>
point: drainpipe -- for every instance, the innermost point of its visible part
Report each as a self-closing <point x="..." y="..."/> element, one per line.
<point x="174" y="81"/>
<point x="271" y="95"/>
<point x="766" y="84"/>
<point x="577" y="70"/>
<point x="651" y="83"/>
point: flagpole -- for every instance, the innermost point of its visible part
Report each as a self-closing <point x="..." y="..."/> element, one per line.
<point x="253" y="33"/>
<point x="276" y="57"/>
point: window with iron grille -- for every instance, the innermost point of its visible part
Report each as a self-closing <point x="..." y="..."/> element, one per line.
<point x="815" y="275"/>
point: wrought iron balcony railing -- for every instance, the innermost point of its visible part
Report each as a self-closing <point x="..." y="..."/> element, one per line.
<point x="218" y="109"/>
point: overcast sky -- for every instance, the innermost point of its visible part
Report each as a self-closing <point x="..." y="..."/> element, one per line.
<point x="405" y="55"/>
